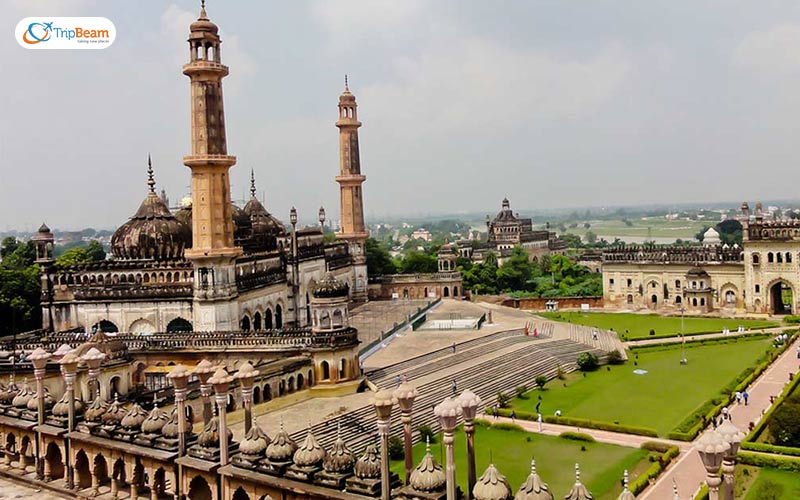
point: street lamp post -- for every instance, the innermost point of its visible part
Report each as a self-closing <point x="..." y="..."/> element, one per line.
<point x="93" y="359"/>
<point x="712" y="449"/>
<point x="203" y="370"/>
<point x="39" y="358"/>
<point x="405" y="395"/>
<point x="246" y="376"/>
<point x="180" y="380"/>
<point x="733" y="436"/>
<point x="448" y="411"/>
<point x="69" y="367"/>
<point x="383" y="402"/>
<point x="469" y="402"/>
<point x="295" y="265"/>
<point x="222" y="382"/>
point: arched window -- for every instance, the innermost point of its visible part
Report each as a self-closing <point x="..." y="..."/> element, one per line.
<point x="730" y="297"/>
<point x="325" y="320"/>
<point x="678" y="299"/>
<point x="268" y="319"/>
<point x="326" y="370"/>
<point x="755" y="258"/>
<point x="338" y="319"/>
<point x="653" y="299"/>
<point x="446" y="291"/>
<point x="677" y="283"/>
<point x="342" y="368"/>
<point x="179" y="325"/>
<point x="630" y="299"/>
<point x="788" y="257"/>
<point x="694" y="302"/>
<point x="702" y="301"/>
<point x="278" y="316"/>
<point x="257" y="321"/>
<point x="779" y="257"/>
<point x="770" y="257"/>
<point x="245" y="325"/>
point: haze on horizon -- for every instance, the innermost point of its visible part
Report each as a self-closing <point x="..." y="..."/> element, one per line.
<point x="553" y="104"/>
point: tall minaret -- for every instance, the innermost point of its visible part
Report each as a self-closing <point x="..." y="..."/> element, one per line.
<point x="350" y="179"/>
<point x="213" y="252"/>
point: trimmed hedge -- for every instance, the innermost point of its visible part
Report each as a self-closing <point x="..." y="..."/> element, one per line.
<point x="656" y="446"/>
<point x="790" y="464"/>
<point x="749" y="442"/>
<point x="656" y="468"/>
<point x="703" y="493"/>
<point x="577" y="436"/>
<point x="580" y="422"/>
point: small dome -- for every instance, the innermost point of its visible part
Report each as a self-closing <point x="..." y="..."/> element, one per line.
<point x="203" y="23"/>
<point x="114" y="414"/>
<point x="369" y="465"/>
<point x="534" y="488"/>
<point x="330" y="287"/>
<point x="347" y="96"/>
<point x="170" y="429"/>
<point x="255" y="442"/>
<point x="153" y="232"/>
<point x="96" y="410"/>
<point x="711" y="237"/>
<point x="33" y="403"/>
<point x="155" y="421"/>
<point x="310" y="453"/>
<point x="43" y="229"/>
<point x="578" y="491"/>
<point x="134" y="418"/>
<point x="492" y="486"/>
<point x="61" y="408"/>
<point x="209" y="438"/>
<point x="23" y="396"/>
<point x="242" y="226"/>
<point x="428" y="476"/>
<point x="282" y="448"/>
<point x="7" y="392"/>
<point x="340" y="460"/>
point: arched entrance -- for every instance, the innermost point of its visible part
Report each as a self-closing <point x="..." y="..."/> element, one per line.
<point x="446" y="291"/>
<point x="114" y="386"/>
<point x="54" y="461"/>
<point x="240" y="494"/>
<point x="199" y="490"/>
<point x="245" y="324"/>
<point x="326" y="370"/>
<point x="101" y="470"/>
<point x="178" y="325"/>
<point x="84" y="476"/>
<point x="781" y="298"/>
<point x="105" y="326"/>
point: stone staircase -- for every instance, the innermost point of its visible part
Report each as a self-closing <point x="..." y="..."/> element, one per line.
<point x="504" y="372"/>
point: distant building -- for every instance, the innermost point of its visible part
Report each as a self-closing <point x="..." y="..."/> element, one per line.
<point x="422" y="234"/>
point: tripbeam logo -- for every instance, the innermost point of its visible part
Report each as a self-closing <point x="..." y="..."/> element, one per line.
<point x="65" y="33"/>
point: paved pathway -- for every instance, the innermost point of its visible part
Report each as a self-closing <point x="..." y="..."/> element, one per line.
<point x="696" y="336"/>
<point x="12" y="490"/>
<point x="688" y="471"/>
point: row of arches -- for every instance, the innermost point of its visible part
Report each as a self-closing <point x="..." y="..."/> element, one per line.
<point x="122" y="278"/>
<point x="267" y="321"/>
<point x="775" y="257"/>
<point x="141" y="325"/>
<point x="287" y="385"/>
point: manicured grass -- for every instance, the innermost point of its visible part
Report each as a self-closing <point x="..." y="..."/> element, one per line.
<point x="602" y="465"/>
<point x="660" y="399"/>
<point x="788" y="483"/>
<point x="634" y="326"/>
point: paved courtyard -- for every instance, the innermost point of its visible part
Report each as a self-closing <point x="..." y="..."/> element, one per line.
<point x="9" y="490"/>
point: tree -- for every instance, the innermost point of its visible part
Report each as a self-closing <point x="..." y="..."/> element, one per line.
<point x="730" y="231"/>
<point x="418" y="262"/>
<point x="92" y="252"/>
<point x="516" y="272"/>
<point x="541" y="380"/>
<point x="587" y="362"/>
<point x="591" y="238"/>
<point x="784" y="425"/>
<point x="571" y="240"/>
<point x="379" y="262"/>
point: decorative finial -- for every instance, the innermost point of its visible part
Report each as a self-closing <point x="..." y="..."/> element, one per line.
<point x="533" y="466"/>
<point x="675" y="490"/>
<point x="150" y="181"/>
<point x="577" y="473"/>
<point x="346" y="86"/>
<point x="338" y="429"/>
<point x="252" y="184"/>
<point x="203" y="14"/>
<point x="625" y="480"/>
<point x="428" y="443"/>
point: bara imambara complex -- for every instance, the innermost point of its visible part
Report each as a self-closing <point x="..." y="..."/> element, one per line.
<point x="208" y="310"/>
<point x="752" y="279"/>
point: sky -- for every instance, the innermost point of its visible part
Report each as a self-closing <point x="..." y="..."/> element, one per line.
<point x="551" y="103"/>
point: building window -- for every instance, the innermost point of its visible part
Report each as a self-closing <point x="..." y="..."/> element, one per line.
<point x="779" y="257"/>
<point x="755" y="258"/>
<point x="758" y="288"/>
<point x="788" y="258"/>
<point x="630" y="282"/>
<point x="770" y="257"/>
<point x="677" y="283"/>
<point x="611" y="282"/>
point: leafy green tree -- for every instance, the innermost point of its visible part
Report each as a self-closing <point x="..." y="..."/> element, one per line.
<point x="591" y="238"/>
<point x="516" y="272"/>
<point x="784" y="425"/>
<point x="91" y="252"/>
<point x="571" y="240"/>
<point x="730" y="231"/>
<point x="587" y="362"/>
<point x="418" y="262"/>
<point x="379" y="262"/>
<point x="541" y="380"/>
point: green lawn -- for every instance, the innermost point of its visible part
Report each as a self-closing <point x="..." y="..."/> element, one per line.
<point x="774" y="484"/>
<point x="660" y="399"/>
<point x="602" y="465"/>
<point x="635" y="326"/>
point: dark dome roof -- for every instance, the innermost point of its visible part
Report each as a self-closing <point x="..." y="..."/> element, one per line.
<point x="330" y="287"/>
<point x="697" y="271"/>
<point x="203" y="23"/>
<point x="152" y="233"/>
<point x="505" y="214"/>
<point x="241" y="222"/>
<point x="43" y="228"/>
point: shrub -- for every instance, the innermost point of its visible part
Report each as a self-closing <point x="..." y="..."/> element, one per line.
<point x="503" y="399"/>
<point x="769" y="490"/>
<point x="560" y="372"/>
<point x="505" y="426"/>
<point x="396" y="449"/>
<point x="615" y="358"/>
<point x="587" y="361"/>
<point x="426" y="433"/>
<point x="521" y="391"/>
<point x="577" y="436"/>
<point x="791" y="464"/>
<point x="541" y="380"/>
<point x="792" y="320"/>
<point x="652" y="332"/>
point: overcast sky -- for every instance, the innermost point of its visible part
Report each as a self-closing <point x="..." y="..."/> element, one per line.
<point x="551" y="103"/>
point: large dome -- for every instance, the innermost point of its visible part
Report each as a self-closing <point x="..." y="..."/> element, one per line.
<point x="153" y="232"/>
<point x="265" y="228"/>
<point x="242" y="227"/>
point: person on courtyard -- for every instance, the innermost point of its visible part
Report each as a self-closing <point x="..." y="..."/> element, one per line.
<point x="746" y="396"/>
<point x="738" y="398"/>
<point x="714" y="422"/>
<point x="538" y="407"/>
<point x="725" y="413"/>
<point x="397" y="381"/>
<point x="454" y="386"/>
<point x="454" y="347"/>
<point x="513" y="416"/>
<point x="495" y="411"/>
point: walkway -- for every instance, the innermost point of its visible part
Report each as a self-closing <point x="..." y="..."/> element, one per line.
<point x="702" y="336"/>
<point x="688" y="471"/>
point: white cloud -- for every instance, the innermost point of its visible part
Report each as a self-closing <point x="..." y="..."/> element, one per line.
<point x="775" y="49"/>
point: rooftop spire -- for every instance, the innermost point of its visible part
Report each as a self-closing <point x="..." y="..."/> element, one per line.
<point x="346" y="86"/>
<point x="252" y="183"/>
<point x="150" y="181"/>
<point x="203" y="14"/>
